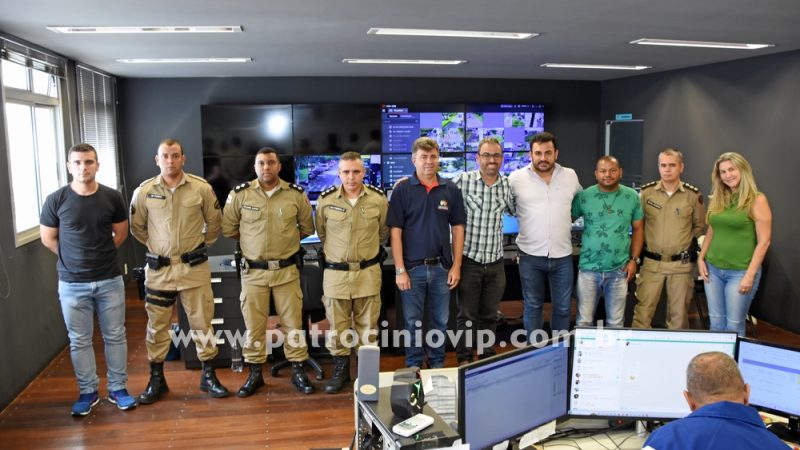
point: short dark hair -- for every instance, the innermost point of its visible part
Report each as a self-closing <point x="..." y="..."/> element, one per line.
<point x="267" y="151"/>
<point x="169" y="142"/>
<point x="350" y="156"/>
<point x="491" y="141"/>
<point x="81" y="148"/>
<point x="608" y="158"/>
<point x="543" y="138"/>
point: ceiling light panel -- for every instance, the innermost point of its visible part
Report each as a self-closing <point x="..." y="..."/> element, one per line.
<point x="450" y="33"/>
<point x="182" y="60"/>
<point x="446" y="62"/>
<point x="704" y="44"/>
<point x="593" y="66"/>
<point x="146" y="29"/>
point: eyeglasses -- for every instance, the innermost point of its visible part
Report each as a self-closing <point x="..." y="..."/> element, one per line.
<point x="490" y="155"/>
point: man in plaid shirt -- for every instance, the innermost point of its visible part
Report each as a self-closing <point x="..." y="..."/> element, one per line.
<point x="487" y="195"/>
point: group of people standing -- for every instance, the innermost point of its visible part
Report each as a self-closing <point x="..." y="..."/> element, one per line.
<point x="445" y="235"/>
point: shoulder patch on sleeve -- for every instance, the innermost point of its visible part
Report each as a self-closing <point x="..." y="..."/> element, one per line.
<point x="375" y="189"/>
<point x="296" y="187"/>
<point x="241" y="187"/>
<point x="649" y="185"/>
<point x="691" y="187"/>
<point x="327" y="192"/>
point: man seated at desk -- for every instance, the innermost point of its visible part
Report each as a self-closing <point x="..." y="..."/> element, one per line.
<point x="721" y="417"/>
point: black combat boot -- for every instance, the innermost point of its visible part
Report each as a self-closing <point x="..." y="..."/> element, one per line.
<point x="156" y="387"/>
<point x="209" y="382"/>
<point x="254" y="381"/>
<point x="341" y="374"/>
<point x="300" y="380"/>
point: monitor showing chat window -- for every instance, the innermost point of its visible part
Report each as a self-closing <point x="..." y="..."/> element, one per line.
<point x="773" y="373"/>
<point x="635" y="373"/>
<point x="506" y="396"/>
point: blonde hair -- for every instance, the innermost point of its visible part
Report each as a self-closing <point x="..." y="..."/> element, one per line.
<point x="722" y="196"/>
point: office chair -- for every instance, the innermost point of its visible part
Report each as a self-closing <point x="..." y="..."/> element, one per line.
<point x="313" y="311"/>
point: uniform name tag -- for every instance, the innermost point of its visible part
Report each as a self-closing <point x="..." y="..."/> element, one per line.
<point x="653" y="204"/>
<point x="251" y="208"/>
<point x="337" y="208"/>
<point x="160" y="197"/>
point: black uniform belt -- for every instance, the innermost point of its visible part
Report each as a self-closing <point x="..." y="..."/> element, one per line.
<point x="193" y="258"/>
<point x="272" y="265"/>
<point x="354" y="266"/>
<point x="432" y="261"/>
<point x="685" y="255"/>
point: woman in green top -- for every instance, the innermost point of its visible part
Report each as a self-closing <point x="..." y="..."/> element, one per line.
<point x="739" y="231"/>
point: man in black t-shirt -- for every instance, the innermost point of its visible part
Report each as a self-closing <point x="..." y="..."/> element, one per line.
<point x="83" y="223"/>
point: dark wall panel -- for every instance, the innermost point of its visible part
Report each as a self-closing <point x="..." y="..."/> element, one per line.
<point x="749" y="106"/>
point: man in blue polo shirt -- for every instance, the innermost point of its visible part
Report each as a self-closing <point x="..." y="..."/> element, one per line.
<point x="423" y="211"/>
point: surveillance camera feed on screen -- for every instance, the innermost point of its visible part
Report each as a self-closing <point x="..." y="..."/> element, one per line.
<point x="511" y="161"/>
<point x="634" y="373"/>
<point x="512" y="124"/>
<point x="315" y="173"/>
<point x="403" y="124"/>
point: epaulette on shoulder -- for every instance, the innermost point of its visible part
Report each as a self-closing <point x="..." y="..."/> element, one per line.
<point x="147" y="181"/>
<point x="241" y="187"/>
<point x="195" y="177"/>
<point x="375" y="189"/>
<point x="691" y="187"/>
<point x="649" y="185"/>
<point x="296" y="187"/>
<point x="328" y="191"/>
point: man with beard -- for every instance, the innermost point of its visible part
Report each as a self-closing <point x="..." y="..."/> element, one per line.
<point x="609" y="252"/>
<point x="542" y="195"/>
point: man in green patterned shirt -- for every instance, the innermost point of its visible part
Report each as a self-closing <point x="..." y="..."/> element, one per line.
<point x="609" y="252"/>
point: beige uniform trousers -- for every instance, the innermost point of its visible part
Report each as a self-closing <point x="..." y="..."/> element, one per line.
<point x="654" y="275"/>
<point x="198" y="303"/>
<point x="288" y="299"/>
<point x="342" y="313"/>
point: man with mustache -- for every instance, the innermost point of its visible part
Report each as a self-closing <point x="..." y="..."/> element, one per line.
<point x="610" y="254"/>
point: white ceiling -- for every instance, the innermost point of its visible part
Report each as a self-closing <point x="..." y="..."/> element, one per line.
<point x="311" y="37"/>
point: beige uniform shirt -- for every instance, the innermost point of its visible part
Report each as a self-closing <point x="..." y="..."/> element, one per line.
<point x="352" y="234"/>
<point x="173" y="223"/>
<point x="670" y="222"/>
<point x="268" y="228"/>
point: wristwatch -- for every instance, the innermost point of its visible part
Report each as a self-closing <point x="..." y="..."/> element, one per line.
<point x="637" y="260"/>
<point x="399" y="270"/>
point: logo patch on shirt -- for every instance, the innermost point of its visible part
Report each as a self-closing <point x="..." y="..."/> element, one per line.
<point x="250" y="208"/>
<point x="160" y="197"/>
<point x="337" y="208"/>
<point x="443" y="205"/>
<point x="653" y="204"/>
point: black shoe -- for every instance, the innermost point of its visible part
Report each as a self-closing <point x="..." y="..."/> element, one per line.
<point x="209" y="382"/>
<point x="254" y="381"/>
<point x="300" y="380"/>
<point x="156" y="387"/>
<point x="341" y="374"/>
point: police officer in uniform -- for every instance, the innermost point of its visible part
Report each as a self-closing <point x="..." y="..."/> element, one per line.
<point x="177" y="216"/>
<point x="351" y="223"/>
<point x="269" y="217"/>
<point x="674" y="218"/>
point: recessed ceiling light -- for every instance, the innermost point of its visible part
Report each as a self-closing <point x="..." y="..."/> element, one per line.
<point x="153" y="29"/>
<point x="678" y="43"/>
<point x="184" y="60"/>
<point x="450" y="33"/>
<point x="404" y="61"/>
<point x="593" y="66"/>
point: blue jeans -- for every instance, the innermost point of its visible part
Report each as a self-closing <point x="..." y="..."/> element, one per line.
<point x="534" y="271"/>
<point x="79" y="302"/>
<point x="429" y="293"/>
<point x="727" y="308"/>
<point x="614" y="287"/>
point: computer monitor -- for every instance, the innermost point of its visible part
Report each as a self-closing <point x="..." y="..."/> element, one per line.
<point x="773" y="373"/>
<point x="315" y="173"/>
<point x="506" y="396"/>
<point x="636" y="373"/>
<point x="512" y="124"/>
<point x="510" y="225"/>
<point x="450" y="166"/>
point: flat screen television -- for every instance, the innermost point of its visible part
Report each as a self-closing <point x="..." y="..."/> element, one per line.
<point x="624" y="373"/>
<point x="402" y="124"/>
<point x="773" y="373"/>
<point x="315" y="173"/>
<point x="450" y="166"/>
<point x="395" y="167"/>
<point x="335" y="128"/>
<point x="506" y="396"/>
<point x="226" y="173"/>
<point x="513" y="124"/>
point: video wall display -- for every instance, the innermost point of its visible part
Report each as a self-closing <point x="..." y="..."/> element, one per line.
<point x="315" y="173"/>
<point x="310" y="137"/>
